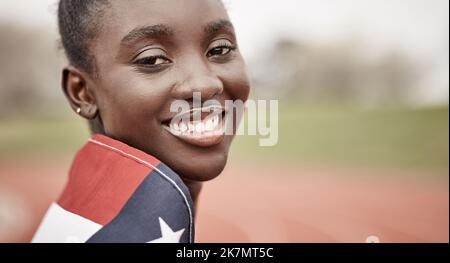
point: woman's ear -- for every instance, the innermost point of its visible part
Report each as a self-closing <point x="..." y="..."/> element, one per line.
<point x="79" y="94"/>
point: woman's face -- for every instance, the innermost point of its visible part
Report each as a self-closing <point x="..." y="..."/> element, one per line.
<point x="151" y="53"/>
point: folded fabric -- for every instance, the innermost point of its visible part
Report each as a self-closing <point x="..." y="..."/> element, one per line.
<point x="116" y="193"/>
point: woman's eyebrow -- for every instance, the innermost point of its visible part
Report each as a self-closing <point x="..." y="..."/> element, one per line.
<point x="153" y="31"/>
<point x="219" y="25"/>
<point x="162" y="30"/>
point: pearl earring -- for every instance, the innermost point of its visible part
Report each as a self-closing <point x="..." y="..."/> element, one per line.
<point x="78" y="110"/>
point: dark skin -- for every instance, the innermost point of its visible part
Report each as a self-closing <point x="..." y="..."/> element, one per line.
<point x="148" y="54"/>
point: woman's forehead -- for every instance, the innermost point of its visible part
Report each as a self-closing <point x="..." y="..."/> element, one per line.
<point x="179" y="15"/>
<point x="127" y="26"/>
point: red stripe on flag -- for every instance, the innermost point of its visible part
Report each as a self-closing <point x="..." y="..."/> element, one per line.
<point x="103" y="176"/>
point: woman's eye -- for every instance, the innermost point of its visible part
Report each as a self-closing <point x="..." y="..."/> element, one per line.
<point x="220" y="48"/>
<point x="152" y="57"/>
<point x="219" y="51"/>
<point x="152" y="61"/>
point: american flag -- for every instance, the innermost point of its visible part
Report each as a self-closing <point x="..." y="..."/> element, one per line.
<point x="116" y="193"/>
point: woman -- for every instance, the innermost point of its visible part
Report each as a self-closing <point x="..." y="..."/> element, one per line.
<point x="137" y="178"/>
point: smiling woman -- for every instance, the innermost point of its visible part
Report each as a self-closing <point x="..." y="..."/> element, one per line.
<point x="135" y="180"/>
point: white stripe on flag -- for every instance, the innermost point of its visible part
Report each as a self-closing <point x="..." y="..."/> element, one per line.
<point x="62" y="226"/>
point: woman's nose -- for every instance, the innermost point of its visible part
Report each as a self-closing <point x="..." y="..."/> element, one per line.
<point x="198" y="79"/>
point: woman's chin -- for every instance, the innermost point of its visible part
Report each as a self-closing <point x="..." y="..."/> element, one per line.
<point x="201" y="171"/>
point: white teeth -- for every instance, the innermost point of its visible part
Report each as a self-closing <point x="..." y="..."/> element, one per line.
<point x="191" y="127"/>
<point x="209" y="125"/>
<point x="215" y="120"/>
<point x="188" y="127"/>
<point x="183" y="127"/>
<point x="199" y="127"/>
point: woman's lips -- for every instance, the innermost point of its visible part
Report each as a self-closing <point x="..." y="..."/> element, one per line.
<point x="204" y="132"/>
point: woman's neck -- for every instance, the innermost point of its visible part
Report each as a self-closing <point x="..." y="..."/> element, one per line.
<point x="195" y="188"/>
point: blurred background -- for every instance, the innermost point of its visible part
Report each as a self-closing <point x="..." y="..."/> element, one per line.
<point x="363" y="90"/>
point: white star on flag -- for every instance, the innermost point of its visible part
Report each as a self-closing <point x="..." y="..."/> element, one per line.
<point x="168" y="236"/>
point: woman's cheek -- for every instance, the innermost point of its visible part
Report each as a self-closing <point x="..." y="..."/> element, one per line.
<point x="239" y="86"/>
<point x="136" y="91"/>
<point x="236" y="79"/>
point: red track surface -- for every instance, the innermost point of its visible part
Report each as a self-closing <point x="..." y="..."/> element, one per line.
<point x="271" y="204"/>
